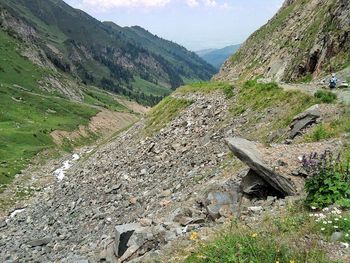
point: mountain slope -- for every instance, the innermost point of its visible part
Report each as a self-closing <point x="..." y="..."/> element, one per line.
<point x="304" y="40"/>
<point x="37" y="102"/>
<point x="100" y="54"/>
<point x="217" y="57"/>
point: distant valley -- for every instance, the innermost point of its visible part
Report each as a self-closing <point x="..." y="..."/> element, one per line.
<point x="217" y="57"/>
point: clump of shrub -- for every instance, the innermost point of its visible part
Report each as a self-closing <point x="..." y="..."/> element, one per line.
<point x="326" y="96"/>
<point x="328" y="180"/>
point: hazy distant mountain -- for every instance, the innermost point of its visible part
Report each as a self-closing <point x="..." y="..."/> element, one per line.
<point x="217" y="57"/>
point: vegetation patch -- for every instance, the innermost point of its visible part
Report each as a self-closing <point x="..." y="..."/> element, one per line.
<point x="254" y="98"/>
<point x="332" y="129"/>
<point x="207" y="88"/>
<point x="164" y="113"/>
<point x="26" y="121"/>
<point x="328" y="182"/>
<point x="326" y="96"/>
<point x="276" y="238"/>
<point x="102" y="99"/>
<point x="330" y="220"/>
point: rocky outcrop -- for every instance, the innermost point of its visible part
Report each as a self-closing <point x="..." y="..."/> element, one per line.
<point x="304" y="120"/>
<point x="305" y="38"/>
<point x="247" y="152"/>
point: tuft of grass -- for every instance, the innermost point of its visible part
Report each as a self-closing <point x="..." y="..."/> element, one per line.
<point x="207" y="88"/>
<point x="276" y="238"/>
<point x="163" y="113"/>
<point x="333" y="129"/>
<point x="326" y="96"/>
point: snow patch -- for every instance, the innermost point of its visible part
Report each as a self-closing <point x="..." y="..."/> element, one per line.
<point x="66" y="165"/>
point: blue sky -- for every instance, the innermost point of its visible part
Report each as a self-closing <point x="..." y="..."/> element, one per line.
<point x="196" y="24"/>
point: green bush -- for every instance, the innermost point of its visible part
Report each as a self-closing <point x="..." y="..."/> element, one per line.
<point x="326" y="96"/>
<point x="328" y="181"/>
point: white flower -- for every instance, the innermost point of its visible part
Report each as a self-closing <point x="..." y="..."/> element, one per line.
<point x="325" y="209"/>
<point x="325" y="222"/>
<point x="345" y="219"/>
<point x="329" y="222"/>
<point x="336" y="219"/>
<point x="336" y="227"/>
<point x="323" y="229"/>
<point x="313" y="208"/>
<point x="346" y="235"/>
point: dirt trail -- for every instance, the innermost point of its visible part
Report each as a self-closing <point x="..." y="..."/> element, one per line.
<point x="342" y="94"/>
<point x="104" y="123"/>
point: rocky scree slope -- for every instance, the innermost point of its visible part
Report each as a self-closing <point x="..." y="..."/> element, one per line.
<point x="161" y="180"/>
<point x="305" y="39"/>
<point x="118" y="59"/>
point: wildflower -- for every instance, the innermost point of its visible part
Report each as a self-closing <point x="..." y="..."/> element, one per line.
<point x="345" y="219"/>
<point x="291" y="261"/>
<point x="194" y="236"/>
<point x="329" y="222"/>
<point x="323" y="229"/>
<point x="254" y="235"/>
<point x="325" y="222"/>
<point x="346" y="235"/>
<point x="313" y="207"/>
<point x="336" y="219"/>
<point x="336" y="227"/>
<point x="325" y="209"/>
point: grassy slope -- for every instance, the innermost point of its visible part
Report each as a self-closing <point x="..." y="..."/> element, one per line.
<point x="28" y="115"/>
<point x="277" y="238"/>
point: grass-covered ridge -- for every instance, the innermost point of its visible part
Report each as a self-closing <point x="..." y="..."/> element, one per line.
<point x="164" y="113"/>
<point x="207" y="88"/>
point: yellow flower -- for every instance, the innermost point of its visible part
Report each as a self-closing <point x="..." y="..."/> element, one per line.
<point x="254" y="235"/>
<point x="291" y="261"/>
<point x="194" y="236"/>
<point x="277" y="261"/>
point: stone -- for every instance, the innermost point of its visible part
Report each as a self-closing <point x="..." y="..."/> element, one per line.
<point x="123" y="234"/>
<point x="248" y="153"/>
<point x="39" y="242"/>
<point x="255" y="209"/>
<point x="169" y="236"/>
<point x="145" y="222"/>
<point x="222" y="200"/>
<point x="3" y="223"/>
<point x="336" y="236"/>
<point x="113" y="189"/>
<point x="304" y="120"/>
<point x="166" y="193"/>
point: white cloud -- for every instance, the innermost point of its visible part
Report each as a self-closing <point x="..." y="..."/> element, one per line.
<point x="105" y="4"/>
<point x="210" y="3"/>
<point x="192" y="3"/>
<point x="108" y="4"/>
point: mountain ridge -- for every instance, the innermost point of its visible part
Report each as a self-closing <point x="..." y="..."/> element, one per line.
<point x="99" y="54"/>
<point x="304" y="40"/>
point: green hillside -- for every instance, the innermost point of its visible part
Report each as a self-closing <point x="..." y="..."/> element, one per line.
<point x="106" y="55"/>
<point x="28" y="114"/>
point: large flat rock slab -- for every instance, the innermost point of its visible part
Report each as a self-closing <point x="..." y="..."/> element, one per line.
<point x="249" y="153"/>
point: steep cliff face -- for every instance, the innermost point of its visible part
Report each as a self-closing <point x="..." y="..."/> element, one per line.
<point x="305" y="39"/>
